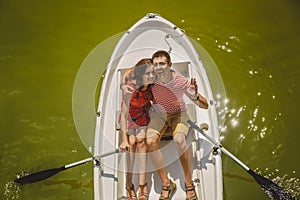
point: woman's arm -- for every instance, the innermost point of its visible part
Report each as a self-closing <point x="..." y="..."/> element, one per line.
<point x="123" y="125"/>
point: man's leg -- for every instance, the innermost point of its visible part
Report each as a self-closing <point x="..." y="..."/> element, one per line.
<point x="180" y="127"/>
<point x="179" y="139"/>
<point x="180" y="142"/>
<point x="157" y="160"/>
<point x="157" y="157"/>
<point x="156" y="126"/>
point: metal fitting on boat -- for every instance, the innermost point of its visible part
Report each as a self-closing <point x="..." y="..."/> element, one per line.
<point x="215" y="150"/>
<point x="98" y="113"/>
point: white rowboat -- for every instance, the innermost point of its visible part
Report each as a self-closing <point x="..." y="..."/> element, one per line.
<point x="148" y="35"/>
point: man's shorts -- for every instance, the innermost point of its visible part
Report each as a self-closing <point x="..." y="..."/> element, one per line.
<point x="160" y="122"/>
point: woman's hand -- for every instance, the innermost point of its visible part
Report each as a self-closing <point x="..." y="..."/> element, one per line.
<point x="124" y="146"/>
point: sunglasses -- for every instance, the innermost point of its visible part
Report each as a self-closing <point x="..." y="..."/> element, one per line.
<point x="159" y="64"/>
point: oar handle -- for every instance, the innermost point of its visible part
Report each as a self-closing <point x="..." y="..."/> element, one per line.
<point x="211" y="139"/>
<point x="90" y="159"/>
<point x="79" y="162"/>
<point x="219" y="145"/>
<point x="240" y="163"/>
<point x="107" y="153"/>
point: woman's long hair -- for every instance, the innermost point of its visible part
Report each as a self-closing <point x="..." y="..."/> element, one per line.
<point x="140" y="69"/>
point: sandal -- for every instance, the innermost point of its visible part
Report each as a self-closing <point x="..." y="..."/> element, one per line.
<point x="130" y="193"/>
<point x="191" y="188"/>
<point x="143" y="195"/>
<point x="171" y="189"/>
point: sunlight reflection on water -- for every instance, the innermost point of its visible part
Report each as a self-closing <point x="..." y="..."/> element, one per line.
<point x="259" y="127"/>
<point x="289" y="183"/>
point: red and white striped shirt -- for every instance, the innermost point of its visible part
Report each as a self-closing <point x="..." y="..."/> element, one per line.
<point x="168" y="97"/>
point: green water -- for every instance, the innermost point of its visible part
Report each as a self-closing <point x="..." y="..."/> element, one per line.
<point x="254" y="43"/>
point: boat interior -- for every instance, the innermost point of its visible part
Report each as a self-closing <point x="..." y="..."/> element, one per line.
<point x="201" y="154"/>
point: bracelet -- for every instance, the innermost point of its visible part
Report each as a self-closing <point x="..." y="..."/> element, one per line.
<point x="197" y="99"/>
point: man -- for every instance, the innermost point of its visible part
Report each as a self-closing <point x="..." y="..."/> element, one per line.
<point x="169" y="110"/>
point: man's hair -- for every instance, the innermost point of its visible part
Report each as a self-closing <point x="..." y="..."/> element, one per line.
<point x="162" y="53"/>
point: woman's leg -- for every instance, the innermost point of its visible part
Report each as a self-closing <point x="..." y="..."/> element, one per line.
<point x="142" y="158"/>
<point x="130" y="158"/>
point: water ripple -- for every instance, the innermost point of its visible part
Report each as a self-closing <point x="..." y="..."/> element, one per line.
<point x="11" y="190"/>
<point x="33" y="124"/>
<point x="11" y="93"/>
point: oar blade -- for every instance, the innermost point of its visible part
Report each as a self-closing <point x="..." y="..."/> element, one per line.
<point x="271" y="188"/>
<point x="38" y="176"/>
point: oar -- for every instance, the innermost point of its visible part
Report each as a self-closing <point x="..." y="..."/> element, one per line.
<point x="272" y="189"/>
<point x="41" y="175"/>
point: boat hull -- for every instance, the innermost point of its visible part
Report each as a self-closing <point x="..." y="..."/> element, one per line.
<point x="148" y="35"/>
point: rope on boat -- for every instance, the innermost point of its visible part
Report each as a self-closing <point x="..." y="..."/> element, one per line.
<point x="173" y="37"/>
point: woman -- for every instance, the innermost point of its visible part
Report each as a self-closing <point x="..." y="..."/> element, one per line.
<point x="134" y="119"/>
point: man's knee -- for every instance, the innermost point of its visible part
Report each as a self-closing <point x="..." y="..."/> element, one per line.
<point x="152" y="142"/>
<point x="179" y="140"/>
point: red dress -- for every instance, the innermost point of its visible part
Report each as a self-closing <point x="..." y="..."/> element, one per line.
<point x="139" y="106"/>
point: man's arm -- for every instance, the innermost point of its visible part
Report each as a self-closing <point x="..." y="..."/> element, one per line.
<point x="126" y="89"/>
<point x="200" y="101"/>
<point x="196" y="97"/>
